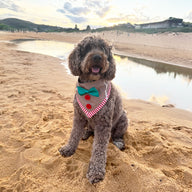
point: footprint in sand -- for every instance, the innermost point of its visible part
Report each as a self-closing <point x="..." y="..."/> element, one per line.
<point x="72" y="169"/>
<point x="33" y="154"/>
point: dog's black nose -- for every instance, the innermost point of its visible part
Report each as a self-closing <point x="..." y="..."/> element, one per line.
<point x="96" y="58"/>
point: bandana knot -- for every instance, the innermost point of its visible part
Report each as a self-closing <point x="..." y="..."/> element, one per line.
<point x="93" y="91"/>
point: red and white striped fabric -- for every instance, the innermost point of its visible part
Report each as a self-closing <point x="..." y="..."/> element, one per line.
<point x="91" y="113"/>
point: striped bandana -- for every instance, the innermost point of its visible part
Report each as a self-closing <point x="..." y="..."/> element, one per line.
<point x="90" y="104"/>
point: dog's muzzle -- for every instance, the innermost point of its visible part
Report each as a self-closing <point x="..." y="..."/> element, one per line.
<point x="96" y="64"/>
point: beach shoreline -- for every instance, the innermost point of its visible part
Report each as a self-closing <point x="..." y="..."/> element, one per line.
<point x="36" y="117"/>
<point x="166" y="48"/>
<point x="146" y="58"/>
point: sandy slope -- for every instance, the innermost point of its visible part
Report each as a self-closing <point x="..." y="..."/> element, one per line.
<point x="35" y="120"/>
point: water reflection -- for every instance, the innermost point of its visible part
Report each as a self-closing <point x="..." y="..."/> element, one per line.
<point x="53" y="48"/>
<point x="154" y="81"/>
<point x="137" y="78"/>
<point x="160" y="67"/>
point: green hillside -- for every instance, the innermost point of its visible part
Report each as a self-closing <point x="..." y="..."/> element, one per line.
<point x="12" y="24"/>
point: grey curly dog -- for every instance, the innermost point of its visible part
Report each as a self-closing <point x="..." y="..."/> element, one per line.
<point x="98" y="107"/>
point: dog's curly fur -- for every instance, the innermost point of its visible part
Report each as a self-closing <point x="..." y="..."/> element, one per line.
<point x="111" y="121"/>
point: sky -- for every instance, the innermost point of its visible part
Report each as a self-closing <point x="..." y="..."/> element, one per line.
<point x="96" y="13"/>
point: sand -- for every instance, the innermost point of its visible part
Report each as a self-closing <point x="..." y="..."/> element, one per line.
<point x="36" y="115"/>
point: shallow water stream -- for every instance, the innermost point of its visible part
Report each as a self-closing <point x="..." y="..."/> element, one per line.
<point x="137" y="78"/>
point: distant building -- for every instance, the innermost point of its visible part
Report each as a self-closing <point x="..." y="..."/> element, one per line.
<point x="169" y="23"/>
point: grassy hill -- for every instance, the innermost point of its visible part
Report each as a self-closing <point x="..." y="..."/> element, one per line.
<point x="127" y="27"/>
<point x="12" y="24"/>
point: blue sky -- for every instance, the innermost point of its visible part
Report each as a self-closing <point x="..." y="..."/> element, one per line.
<point x="67" y="13"/>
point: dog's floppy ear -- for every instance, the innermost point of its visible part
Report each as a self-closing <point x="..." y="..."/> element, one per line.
<point x="110" y="73"/>
<point x="74" y="61"/>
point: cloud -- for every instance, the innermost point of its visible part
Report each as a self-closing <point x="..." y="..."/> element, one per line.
<point x="95" y="4"/>
<point x="135" y="16"/>
<point x="77" y="19"/>
<point x="75" y="10"/>
<point x="101" y="8"/>
<point x="103" y="11"/>
<point x="8" y="4"/>
<point x="85" y="10"/>
<point x="61" y="11"/>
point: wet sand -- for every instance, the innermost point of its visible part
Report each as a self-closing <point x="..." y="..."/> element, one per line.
<point x="36" y="115"/>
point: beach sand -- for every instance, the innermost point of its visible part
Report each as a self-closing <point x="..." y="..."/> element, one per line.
<point x="36" y="115"/>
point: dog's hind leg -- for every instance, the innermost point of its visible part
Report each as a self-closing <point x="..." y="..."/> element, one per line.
<point x="119" y="130"/>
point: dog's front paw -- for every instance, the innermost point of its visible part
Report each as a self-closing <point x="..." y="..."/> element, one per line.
<point x="95" y="174"/>
<point x="66" y="151"/>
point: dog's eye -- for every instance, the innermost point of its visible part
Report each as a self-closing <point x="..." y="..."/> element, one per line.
<point x="87" y="48"/>
<point x="82" y="52"/>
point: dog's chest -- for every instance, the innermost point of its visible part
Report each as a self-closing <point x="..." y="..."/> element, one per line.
<point x="92" y="96"/>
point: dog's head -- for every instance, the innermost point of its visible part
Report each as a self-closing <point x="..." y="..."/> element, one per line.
<point x="92" y="59"/>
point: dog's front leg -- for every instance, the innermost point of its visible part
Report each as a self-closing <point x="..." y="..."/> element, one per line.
<point x="79" y="123"/>
<point x="96" y="170"/>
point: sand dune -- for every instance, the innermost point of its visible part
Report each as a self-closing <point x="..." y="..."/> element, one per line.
<point x="36" y="115"/>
